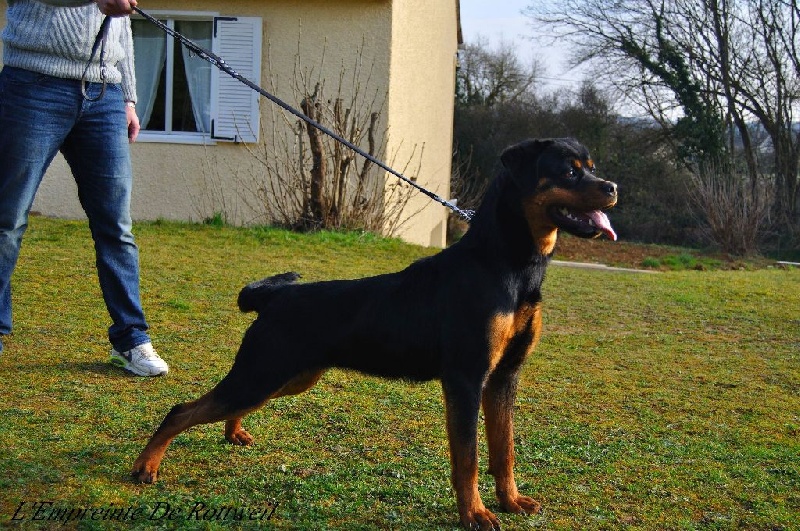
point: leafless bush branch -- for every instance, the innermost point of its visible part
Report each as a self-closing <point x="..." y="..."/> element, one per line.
<point x="734" y="208"/>
<point x="308" y="180"/>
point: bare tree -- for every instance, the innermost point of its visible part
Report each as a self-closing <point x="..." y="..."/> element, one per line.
<point x="489" y="76"/>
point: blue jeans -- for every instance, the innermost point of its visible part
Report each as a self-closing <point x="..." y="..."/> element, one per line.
<point x="40" y="115"/>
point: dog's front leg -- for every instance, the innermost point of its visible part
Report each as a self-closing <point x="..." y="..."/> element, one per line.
<point x="462" y="401"/>
<point x="498" y="409"/>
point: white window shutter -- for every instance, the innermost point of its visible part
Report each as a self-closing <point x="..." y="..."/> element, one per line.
<point x="234" y="106"/>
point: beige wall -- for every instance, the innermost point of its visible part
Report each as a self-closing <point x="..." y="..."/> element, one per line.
<point x="412" y="45"/>
<point x="422" y="80"/>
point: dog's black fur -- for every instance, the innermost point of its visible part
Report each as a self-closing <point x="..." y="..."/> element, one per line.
<point x="467" y="316"/>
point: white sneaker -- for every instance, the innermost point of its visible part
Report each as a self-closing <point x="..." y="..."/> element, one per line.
<point x="141" y="360"/>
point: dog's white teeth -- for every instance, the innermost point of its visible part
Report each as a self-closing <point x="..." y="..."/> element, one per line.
<point x="567" y="214"/>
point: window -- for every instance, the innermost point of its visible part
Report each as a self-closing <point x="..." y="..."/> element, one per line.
<point x="185" y="99"/>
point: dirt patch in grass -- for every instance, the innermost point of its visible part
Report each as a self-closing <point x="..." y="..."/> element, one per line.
<point x="647" y="256"/>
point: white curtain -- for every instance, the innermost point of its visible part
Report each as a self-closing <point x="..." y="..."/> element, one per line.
<point x="150" y="44"/>
<point x="198" y="71"/>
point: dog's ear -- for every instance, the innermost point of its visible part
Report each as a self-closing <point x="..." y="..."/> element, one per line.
<point x="523" y="154"/>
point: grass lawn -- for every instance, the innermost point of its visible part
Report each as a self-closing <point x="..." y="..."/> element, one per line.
<point x="662" y="401"/>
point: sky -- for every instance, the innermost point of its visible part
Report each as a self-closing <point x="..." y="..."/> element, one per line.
<point x="502" y="21"/>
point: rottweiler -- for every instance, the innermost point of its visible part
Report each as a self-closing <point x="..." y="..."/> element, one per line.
<point x="467" y="316"/>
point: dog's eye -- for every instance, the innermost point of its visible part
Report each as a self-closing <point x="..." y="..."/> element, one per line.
<point x="574" y="174"/>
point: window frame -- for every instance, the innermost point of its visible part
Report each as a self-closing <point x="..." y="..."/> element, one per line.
<point x="253" y="114"/>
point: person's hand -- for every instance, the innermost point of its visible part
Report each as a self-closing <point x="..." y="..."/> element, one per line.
<point x="116" y="8"/>
<point x="133" y="123"/>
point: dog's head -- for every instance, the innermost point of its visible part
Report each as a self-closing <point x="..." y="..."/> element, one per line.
<point x="560" y="190"/>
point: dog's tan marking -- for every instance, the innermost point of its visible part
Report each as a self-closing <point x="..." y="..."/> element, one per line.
<point x="464" y="477"/>
<point x="543" y="230"/>
<point x="298" y="384"/>
<point x="498" y="406"/>
<point x="504" y="327"/>
<point x="235" y="434"/>
<point x="500" y="440"/>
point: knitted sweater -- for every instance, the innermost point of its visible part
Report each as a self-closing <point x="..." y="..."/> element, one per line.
<point x="46" y="37"/>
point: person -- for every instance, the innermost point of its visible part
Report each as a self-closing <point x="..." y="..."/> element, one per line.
<point x="54" y="97"/>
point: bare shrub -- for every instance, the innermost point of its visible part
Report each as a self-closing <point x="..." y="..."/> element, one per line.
<point x="306" y="180"/>
<point x="465" y="188"/>
<point x="466" y="191"/>
<point x="734" y="208"/>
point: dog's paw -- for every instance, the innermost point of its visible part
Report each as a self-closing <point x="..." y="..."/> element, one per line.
<point x="481" y="519"/>
<point x="144" y="472"/>
<point x="239" y="437"/>
<point x="521" y="505"/>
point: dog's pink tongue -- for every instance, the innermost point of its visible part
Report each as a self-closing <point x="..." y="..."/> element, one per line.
<point x="602" y="222"/>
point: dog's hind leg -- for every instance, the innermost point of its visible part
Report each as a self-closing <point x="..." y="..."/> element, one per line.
<point x="233" y="398"/>
<point x="230" y="400"/>
<point x="204" y="410"/>
<point x="264" y="368"/>
<point x="235" y="434"/>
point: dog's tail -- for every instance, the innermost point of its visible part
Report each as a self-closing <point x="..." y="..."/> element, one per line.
<point x="256" y="295"/>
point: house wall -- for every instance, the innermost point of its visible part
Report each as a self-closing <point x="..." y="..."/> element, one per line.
<point x="423" y="66"/>
<point x="192" y="182"/>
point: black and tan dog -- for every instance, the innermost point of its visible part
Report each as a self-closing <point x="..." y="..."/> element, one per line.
<point x="467" y="316"/>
